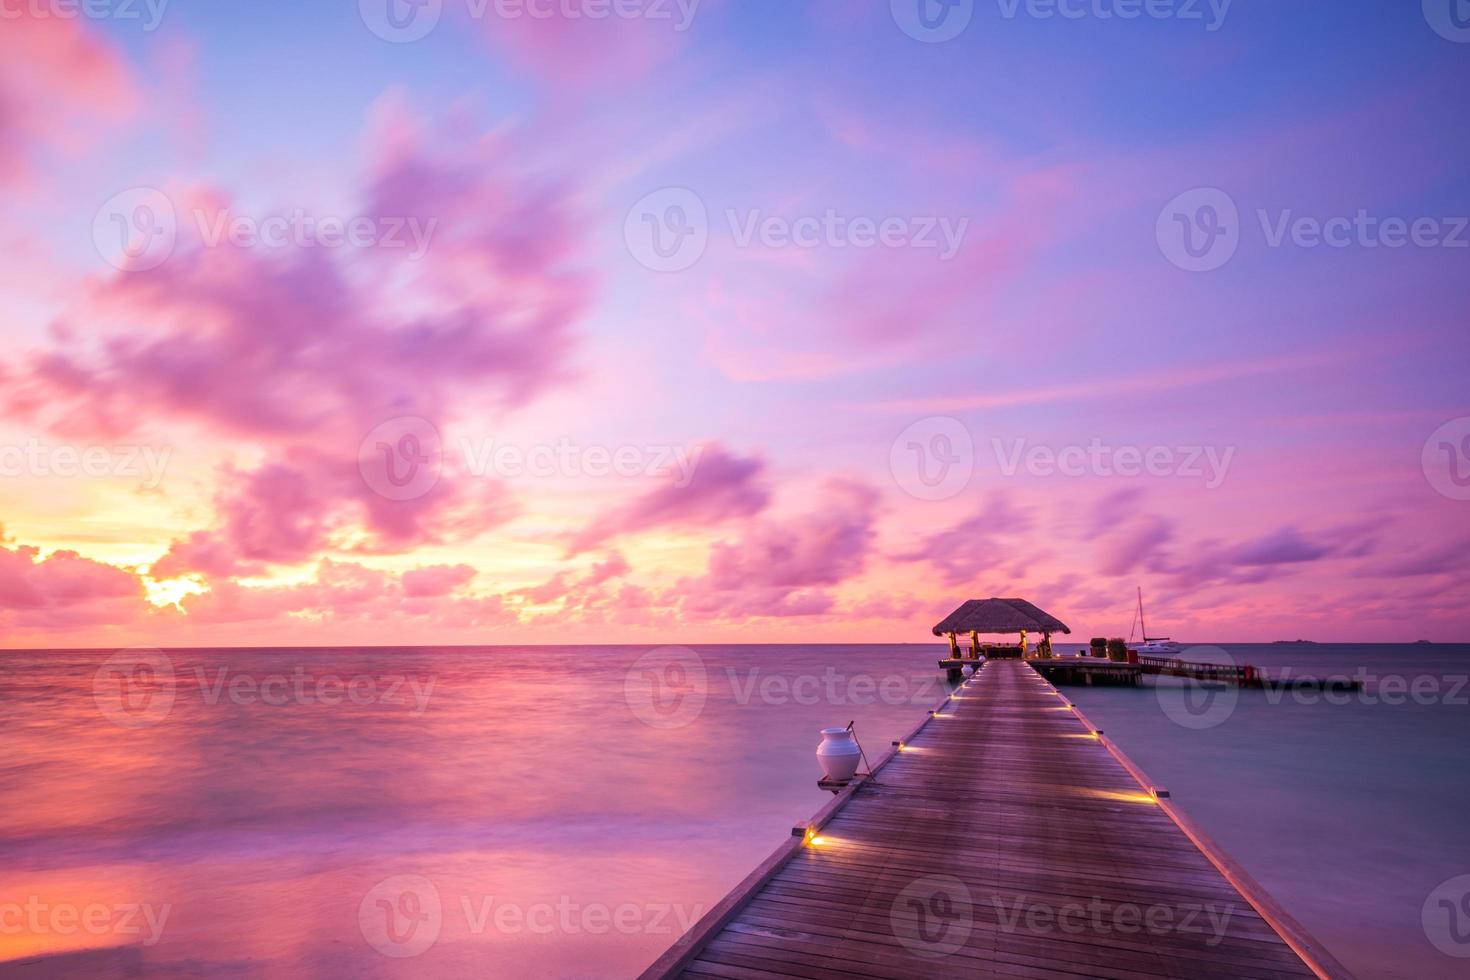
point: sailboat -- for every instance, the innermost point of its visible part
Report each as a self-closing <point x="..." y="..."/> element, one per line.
<point x="1153" y="646"/>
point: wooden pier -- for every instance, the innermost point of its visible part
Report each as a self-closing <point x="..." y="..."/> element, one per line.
<point x="1007" y="838"/>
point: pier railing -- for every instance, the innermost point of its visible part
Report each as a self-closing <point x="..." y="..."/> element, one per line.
<point x="1173" y="667"/>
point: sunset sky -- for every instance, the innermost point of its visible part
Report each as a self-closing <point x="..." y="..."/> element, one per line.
<point x="730" y="321"/>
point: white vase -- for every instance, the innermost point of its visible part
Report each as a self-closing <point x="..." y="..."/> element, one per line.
<point x="838" y="754"/>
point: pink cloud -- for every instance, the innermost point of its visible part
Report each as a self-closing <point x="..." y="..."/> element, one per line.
<point x="784" y="568"/>
<point x="290" y="511"/>
<point x="722" y="487"/>
<point x="64" y="590"/>
<point x="59" y="83"/>
<point x="978" y="544"/>
<point x="303" y="351"/>
<point x="581" y="591"/>
<point x="570" y="49"/>
<point x="347" y="592"/>
<point x="436" y="580"/>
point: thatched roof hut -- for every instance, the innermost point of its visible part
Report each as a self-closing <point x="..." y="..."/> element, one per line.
<point x="999" y="616"/>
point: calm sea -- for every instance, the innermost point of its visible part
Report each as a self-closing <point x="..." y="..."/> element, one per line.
<point x="568" y="811"/>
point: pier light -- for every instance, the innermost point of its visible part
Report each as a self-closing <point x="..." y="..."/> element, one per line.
<point x="1107" y="794"/>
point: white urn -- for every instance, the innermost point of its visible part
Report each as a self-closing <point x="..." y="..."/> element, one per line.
<point x="838" y="754"/>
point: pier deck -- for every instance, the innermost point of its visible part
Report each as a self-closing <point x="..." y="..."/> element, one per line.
<point x="1006" y="839"/>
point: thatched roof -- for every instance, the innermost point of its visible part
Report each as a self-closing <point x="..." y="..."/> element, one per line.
<point x="999" y="616"/>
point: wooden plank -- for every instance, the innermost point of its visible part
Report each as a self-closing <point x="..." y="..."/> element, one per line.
<point x="1005" y="839"/>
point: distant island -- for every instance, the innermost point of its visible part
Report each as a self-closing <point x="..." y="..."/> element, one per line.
<point x="1293" y="641"/>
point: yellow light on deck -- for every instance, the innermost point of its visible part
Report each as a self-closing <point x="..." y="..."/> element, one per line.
<point x="817" y="841"/>
<point x="1107" y="794"/>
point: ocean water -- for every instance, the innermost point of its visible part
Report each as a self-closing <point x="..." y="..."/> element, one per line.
<point x="568" y="811"/>
<point x="1353" y="810"/>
